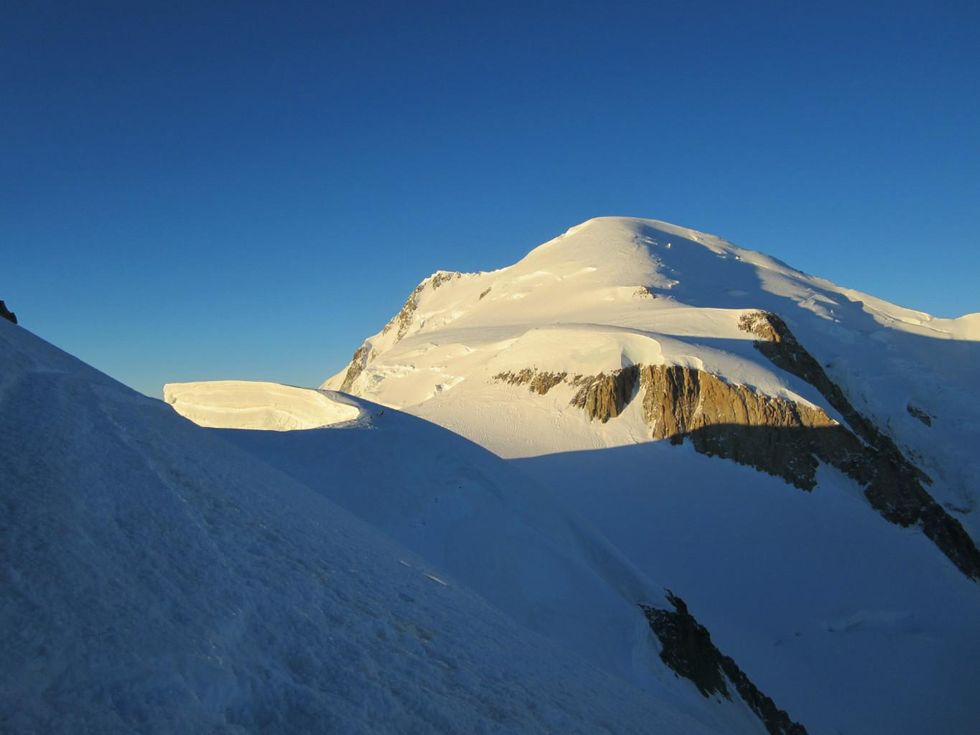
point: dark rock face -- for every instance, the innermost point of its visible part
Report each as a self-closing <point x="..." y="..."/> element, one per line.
<point x="918" y="413"/>
<point x="681" y="402"/>
<point x="537" y="382"/>
<point x="892" y="484"/>
<point x="403" y="319"/>
<point x="356" y="367"/>
<point x="604" y="396"/>
<point x="686" y="647"/>
<point x="7" y="313"/>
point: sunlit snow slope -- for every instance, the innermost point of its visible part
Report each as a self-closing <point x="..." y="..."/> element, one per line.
<point x="155" y="578"/>
<point x="567" y="360"/>
<point x="242" y="404"/>
<point x="614" y="292"/>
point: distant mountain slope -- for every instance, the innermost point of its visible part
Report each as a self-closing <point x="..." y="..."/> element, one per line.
<point x="157" y="579"/>
<point x="527" y="360"/>
<point x="812" y="505"/>
<point x="846" y="564"/>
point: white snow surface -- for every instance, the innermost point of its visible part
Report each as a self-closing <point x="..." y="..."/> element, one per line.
<point x="851" y="624"/>
<point x="490" y="527"/>
<point x="616" y="291"/>
<point x="243" y="404"/>
<point x="155" y="578"/>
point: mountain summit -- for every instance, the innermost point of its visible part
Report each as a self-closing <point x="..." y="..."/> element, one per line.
<point x="622" y="331"/>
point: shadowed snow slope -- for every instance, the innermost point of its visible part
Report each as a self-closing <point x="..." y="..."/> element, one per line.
<point x="157" y="579"/>
<point x="242" y="404"/>
<point x="496" y="531"/>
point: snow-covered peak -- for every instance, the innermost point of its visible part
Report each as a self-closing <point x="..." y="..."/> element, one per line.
<point x="618" y="292"/>
<point x="614" y="269"/>
<point x="621" y="332"/>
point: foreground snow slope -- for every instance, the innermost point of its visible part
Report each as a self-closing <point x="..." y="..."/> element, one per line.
<point x="496" y="531"/>
<point x="850" y="626"/>
<point x="157" y="579"/>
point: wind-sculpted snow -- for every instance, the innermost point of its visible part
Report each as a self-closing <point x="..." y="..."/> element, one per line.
<point x="242" y="404"/>
<point x="157" y="579"/>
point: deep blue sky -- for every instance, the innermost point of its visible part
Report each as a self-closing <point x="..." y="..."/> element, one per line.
<point x="193" y="190"/>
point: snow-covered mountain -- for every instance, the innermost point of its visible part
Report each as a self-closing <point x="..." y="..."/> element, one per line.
<point x="813" y="504"/>
<point x="624" y="330"/>
<point x="817" y="493"/>
<point x="157" y="578"/>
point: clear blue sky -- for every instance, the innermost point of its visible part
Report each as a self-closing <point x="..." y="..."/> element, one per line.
<point x="197" y="190"/>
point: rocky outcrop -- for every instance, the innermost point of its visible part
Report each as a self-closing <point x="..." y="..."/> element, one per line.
<point x="892" y="484"/>
<point x="735" y="421"/>
<point x="918" y="413"/>
<point x="604" y="396"/>
<point x="356" y="367"/>
<point x="537" y="382"/>
<point x="776" y="435"/>
<point x="402" y="321"/>
<point x="782" y="348"/>
<point x="7" y="314"/>
<point x="678" y="400"/>
<point x="686" y="647"/>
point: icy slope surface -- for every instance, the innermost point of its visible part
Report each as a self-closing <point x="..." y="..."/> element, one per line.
<point x="617" y="291"/>
<point x="241" y="404"/>
<point x="865" y="624"/>
<point x="496" y="531"/>
<point x="157" y="579"/>
<point x="856" y="626"/>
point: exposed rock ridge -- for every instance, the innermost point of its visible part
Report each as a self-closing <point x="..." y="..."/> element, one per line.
<point x="402" y="321"/>
<point x="7" y="313"/>
<point x="774" y="435"/>
<point x="892" y="484"/>
<point x="537" y="382"/>
<point x="686" y="647"/>
<point x="356" y="367"/>
<point x="720" y="418"/>
<point x="604" y="396"/>
<point x="736" y="422"/>
<point x="919" y="414"/>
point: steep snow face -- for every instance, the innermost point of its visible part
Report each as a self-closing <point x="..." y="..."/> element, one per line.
<point x="241" y="404"/>
<point x="157" y="579"/>
<point x="614" y="292"/>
